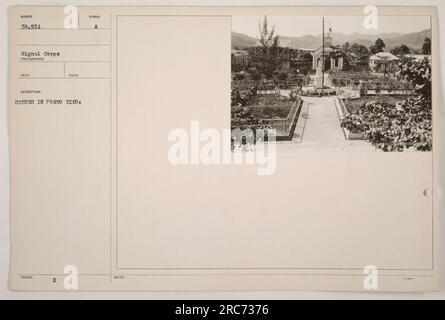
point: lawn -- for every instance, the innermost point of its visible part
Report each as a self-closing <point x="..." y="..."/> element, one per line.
<point x="353" y="104"/>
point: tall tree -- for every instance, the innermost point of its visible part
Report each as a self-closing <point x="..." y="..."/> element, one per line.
<point x="377" y="46"/>
<point x="266" y="56"/>
<point x="267" y="37"/>
<point x="426" y="48"/>
<point x="361" y="53"/>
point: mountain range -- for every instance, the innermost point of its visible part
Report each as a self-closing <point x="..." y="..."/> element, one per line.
<point x="413" y="40"/>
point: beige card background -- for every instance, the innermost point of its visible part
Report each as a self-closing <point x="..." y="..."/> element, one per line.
<point x="91" y="185"/>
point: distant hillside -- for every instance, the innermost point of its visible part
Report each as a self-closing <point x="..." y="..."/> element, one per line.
<point x="413" y="40"/>
<point x="241" y="41"/>
<point x="306" y="41"/>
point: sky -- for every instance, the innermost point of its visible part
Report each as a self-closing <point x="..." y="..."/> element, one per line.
<point x="295" y="26"/>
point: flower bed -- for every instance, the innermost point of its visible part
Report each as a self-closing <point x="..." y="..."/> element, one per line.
<point x="407" y="126"/>
<point x="269" y="106"/>
<point x="352" y="105"/>
<point x="243" y="91"/>
<point x="393" y="128"/>
<point x="355" y="75"/>
<point x="265" y="111"/>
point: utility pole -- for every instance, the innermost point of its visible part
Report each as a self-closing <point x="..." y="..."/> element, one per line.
<point x="322" y="60"/>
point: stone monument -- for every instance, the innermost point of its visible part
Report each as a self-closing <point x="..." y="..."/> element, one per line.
<point x="319" y="77"/>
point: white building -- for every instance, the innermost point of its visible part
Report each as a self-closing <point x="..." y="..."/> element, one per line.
<point x="331" y="63"/>
<point x="383" y="62"/>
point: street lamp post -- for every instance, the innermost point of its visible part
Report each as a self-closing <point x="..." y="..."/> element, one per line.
<point x="322" y="60"/>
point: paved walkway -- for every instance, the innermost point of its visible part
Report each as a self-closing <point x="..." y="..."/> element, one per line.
<point x="322" y="130"/>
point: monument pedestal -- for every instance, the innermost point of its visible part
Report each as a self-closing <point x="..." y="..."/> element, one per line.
<point x="318" y="78"/>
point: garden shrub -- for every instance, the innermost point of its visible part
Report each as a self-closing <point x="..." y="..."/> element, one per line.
<point x="407" y="126"/>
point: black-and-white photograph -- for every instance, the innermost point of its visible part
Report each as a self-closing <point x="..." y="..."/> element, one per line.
<point x="334" y="83"/>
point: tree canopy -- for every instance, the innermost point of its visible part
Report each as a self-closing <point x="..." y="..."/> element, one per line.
<point x="426" y="48"/>
<point x="361" y="53"/>
<point x="400" y="50"/>
<point x="377" y="46"/>
<point x="266" y="56"/>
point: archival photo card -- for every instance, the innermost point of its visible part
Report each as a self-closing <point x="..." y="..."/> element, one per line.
<point x="223" y="148"/>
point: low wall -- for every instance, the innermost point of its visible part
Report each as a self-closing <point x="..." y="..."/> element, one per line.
<point x="291" y="122"/>
<point x="342" y="113"/>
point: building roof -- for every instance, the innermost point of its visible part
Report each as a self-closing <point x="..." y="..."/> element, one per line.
<point x="240" y="52"/>
<point x="326" y="50"/>
<point x="384" y="56"/>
